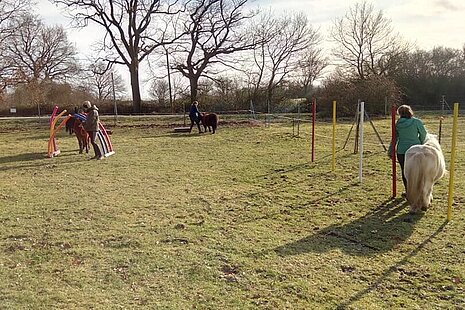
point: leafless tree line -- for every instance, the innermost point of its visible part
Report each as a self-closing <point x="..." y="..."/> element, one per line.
<point x="202" y="37"/>
<point x="196" y="46"/>
<point x="35" y="59"/>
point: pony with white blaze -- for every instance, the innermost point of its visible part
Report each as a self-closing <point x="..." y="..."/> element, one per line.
<point x="424" y="165"/>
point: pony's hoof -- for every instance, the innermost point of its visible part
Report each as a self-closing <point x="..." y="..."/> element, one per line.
<point x="409" y="219"/>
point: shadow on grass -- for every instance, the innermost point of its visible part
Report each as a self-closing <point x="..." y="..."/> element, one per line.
<point x="394" y="268"/>
<point x="172" y="134"/>
<point x="22" y="157"/>
<point x="37" y="159"/>
<point x="44" y="137"/>
<point x="309" y="165"/>
<point x="186" y="134"/>
<point x="376" y="232"/>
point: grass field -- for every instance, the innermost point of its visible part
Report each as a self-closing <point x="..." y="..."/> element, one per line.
<point x="237" y="220"/>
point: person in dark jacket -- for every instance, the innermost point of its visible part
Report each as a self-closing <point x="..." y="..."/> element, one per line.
<point x="194" y="115"/>
<point x="91" y="125"/>
<point x="409" y="131"/>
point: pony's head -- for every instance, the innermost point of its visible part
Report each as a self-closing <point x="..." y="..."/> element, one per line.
<point x="430" y="136"/>
<point x="70" y="125"/>
<point x="432" y="140"/>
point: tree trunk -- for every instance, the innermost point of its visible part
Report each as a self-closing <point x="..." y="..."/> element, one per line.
<point x="136" y="99"/>
<point x="169" y="82"/>
<point x="194" y="84"/>
<point x="269" y="96"/>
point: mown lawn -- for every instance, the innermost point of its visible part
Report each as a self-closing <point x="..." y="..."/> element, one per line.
<point x="237" y="220"/>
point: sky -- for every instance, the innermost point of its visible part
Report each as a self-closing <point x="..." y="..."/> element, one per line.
<point x="424" y="23"/>
<point x="427" y="23"/>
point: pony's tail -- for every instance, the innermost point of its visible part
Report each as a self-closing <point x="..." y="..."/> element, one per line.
<point x="215" y="121"/>
<point x="415" y="181"/>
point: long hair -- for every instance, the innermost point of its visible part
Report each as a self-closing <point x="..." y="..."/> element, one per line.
<point x="405" y="111"/>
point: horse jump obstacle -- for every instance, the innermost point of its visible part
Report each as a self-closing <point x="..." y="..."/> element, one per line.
<point x="102" y="135"/>
<point x="182" y="129"/>
<point x="52" y="144"/>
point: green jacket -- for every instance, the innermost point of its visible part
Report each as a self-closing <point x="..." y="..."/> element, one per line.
<point x="409" y="131"/>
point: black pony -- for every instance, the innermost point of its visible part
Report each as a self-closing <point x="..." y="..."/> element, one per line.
<point x="210" y="121"/>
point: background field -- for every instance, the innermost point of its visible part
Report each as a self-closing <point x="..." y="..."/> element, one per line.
<point x="237" y="220"/>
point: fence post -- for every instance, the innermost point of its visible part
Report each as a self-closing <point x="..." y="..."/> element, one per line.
<point x="393" y="150"/>
<point x="334" y="137"/>
<point x="450" y="197"/>
<point x="313" y="128"/>
<point x="440" y="128"/>
<point x="362" y="112"/>
<point x="357" y="127"/>
<point x="115" y="108"/>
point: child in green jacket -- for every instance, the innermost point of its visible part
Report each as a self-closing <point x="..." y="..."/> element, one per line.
<point x="409" y="131"/>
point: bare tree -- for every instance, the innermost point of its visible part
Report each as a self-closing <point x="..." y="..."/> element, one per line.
<point x="264" y="30"/>
<point x="215" y="31"/>
<point x="134" y="29"/>
<point x="103" y="81"/>
<point x="311" y="65"/>
<point x="39" y="55"/>
<point x="228" y="92"/>
<point x="426" y="75"/>
<point x="38" y="52"/>
<point x="179" y="87"/>
<point x="283" y="38"/>
<point x="159" y="91"/>
<point x="367" y="43"/>
<point x="9" y="12"/>
<point x="10" y="9"/>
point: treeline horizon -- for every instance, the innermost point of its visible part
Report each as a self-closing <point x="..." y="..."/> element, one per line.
<point x="260" y="60"/>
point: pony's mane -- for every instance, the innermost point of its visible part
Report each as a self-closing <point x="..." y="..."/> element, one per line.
<point x="432" y="141"/>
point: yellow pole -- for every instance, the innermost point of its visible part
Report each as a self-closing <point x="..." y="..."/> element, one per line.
<point x="334" y="136"/>
<point x="452" y="162"/>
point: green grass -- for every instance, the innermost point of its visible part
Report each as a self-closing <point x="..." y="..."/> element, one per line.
<point x="237" y="220"/>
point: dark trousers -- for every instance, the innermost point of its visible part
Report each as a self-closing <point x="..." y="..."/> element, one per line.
<point x="195" y="120"/>
<point x="401" y="160"/>
<point x="93" y="137"/>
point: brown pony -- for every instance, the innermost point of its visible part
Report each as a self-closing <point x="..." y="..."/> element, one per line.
<point x="73" y="125"/>
<point x="210" y="121"/>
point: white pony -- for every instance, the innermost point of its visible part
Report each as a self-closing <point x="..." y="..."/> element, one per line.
<point x="424" y="165"/>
